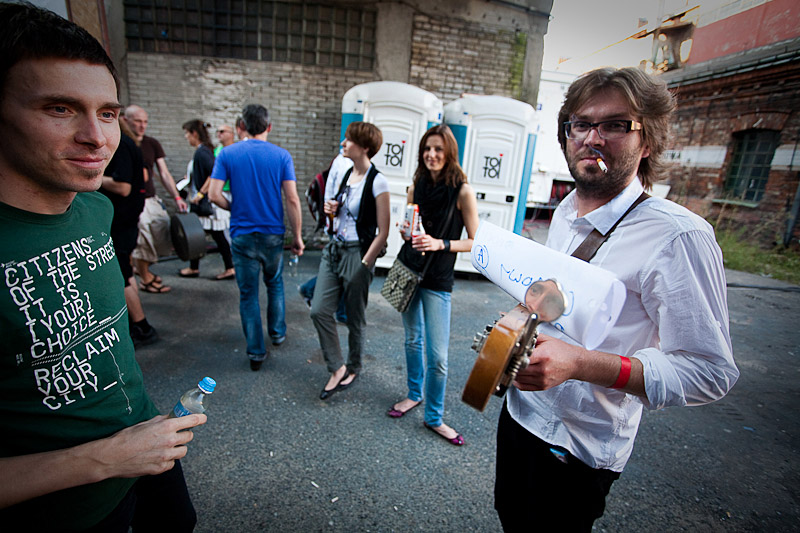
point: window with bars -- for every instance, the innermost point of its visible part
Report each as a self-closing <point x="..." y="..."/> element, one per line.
<point x="296" y="32"/>
<point x="752" y="157"/>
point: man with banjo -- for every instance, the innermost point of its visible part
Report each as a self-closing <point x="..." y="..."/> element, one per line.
<point x="570" y="419"/>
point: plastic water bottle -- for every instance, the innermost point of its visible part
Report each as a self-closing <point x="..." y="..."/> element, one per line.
<point x="293" y="260"/>
<point x="193" y="400"/>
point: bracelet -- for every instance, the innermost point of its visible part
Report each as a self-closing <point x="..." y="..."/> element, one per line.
<point x="446" y="245"/>
<point x="176" y="198"/>
<point x="624" y="373"/>
<point x="364" y="262"/>
<point x="200" y="196"/>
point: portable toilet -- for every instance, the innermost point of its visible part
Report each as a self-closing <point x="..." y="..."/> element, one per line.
<point x="496" y="140"/>
<point x="549" y="165"/>
<point x="403" y="113"/>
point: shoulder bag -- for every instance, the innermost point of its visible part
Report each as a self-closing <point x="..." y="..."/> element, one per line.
<point x="402" y="282"/>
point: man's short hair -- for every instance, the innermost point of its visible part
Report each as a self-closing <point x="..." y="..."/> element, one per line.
<point x="650" y="102"/>
<point x="28" y="32"/>
<point x="365" y="135"/>
<point x="256" y="119"/>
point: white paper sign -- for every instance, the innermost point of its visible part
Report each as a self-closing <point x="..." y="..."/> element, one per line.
<point x="512" y="262"/>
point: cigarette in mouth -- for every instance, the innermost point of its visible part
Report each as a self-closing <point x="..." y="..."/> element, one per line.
<point x="602" y="165"/>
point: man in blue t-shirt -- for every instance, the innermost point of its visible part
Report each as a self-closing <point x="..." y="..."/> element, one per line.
<point x="260" y="175"/>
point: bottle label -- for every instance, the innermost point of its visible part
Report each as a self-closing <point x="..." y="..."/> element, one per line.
<point x="179" y="410"/>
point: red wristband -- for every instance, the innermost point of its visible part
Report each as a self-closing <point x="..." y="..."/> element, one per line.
<point x="624" y="373"/>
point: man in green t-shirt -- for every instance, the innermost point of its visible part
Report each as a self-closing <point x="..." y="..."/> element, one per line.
<point x="83" y="446"/>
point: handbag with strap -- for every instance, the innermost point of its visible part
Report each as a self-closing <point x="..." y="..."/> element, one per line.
<point x="401" y="285"/>
<point x="402" y="282"/>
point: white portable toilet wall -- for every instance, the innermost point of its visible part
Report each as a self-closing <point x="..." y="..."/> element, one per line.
<point x="403" y="113"/>
<point x="496" y="142"/>
<point x="549" y="164"/>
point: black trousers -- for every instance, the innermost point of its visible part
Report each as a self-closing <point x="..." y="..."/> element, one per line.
<point x="223" y="247"/>
<point x="154" y="504"/>
<point x="536" y="491"/>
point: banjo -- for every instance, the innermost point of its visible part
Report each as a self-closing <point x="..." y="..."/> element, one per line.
<point x="505" y="347"/>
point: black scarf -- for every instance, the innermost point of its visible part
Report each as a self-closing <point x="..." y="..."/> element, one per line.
<point x="434" y="200"/>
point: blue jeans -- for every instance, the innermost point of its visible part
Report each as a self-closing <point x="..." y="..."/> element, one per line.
<point x="427" y="325"/>
<point x="254" y="253"/>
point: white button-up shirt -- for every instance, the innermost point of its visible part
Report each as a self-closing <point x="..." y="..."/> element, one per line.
<point x="675" y="321"/>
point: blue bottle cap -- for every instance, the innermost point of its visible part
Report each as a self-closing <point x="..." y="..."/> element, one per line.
<point x="207" y="385"/>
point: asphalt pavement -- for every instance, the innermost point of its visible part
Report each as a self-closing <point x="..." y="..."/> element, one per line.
<point x="273" y="457"/>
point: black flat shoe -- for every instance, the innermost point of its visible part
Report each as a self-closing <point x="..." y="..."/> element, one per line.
<point x="343" y="386"/>
<point x="325" y="394"/>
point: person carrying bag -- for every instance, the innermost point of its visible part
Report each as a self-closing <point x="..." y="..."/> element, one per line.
<point x="447" y="205"/>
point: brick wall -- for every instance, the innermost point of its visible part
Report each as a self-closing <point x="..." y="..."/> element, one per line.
<point x="304" y="104"/>
<point x="449" y="56"/>
<point x="708" y="114"/>
<point x="452" y="57"/>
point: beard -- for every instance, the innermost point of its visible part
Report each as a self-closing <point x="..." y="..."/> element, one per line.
<point x="591" y="182"/>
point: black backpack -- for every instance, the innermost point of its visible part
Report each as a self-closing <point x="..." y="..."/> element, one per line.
<point x="315" y="197"/>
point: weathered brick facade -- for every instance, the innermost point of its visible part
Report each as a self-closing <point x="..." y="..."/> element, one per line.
<point x="709" y="113"/>
<point x="447" y="55"/>
<point x="304" y="103"/>
<point x="452" y="57"/>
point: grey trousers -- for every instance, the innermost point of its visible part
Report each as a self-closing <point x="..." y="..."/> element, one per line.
<point x="341" y="270"/>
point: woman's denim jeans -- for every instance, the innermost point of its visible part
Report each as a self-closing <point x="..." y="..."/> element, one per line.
<point x="254" y="253"/>
<point x="427" y="325"/>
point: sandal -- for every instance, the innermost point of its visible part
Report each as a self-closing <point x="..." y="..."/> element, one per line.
<point x="225" y="275"/>
<point x="458" y="440"/>
<point x="397" y="413"/>
<point x="153" y="287"/>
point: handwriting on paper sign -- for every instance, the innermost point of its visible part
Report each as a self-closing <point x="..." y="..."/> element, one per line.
<point x="515" y="276"/>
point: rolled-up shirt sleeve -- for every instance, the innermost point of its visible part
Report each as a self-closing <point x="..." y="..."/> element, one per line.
<point x="684" y="293"/>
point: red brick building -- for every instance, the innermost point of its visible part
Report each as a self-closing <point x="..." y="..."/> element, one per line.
<point x="737" y="129"/>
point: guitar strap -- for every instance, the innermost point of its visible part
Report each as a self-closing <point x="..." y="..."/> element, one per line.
<point x="588" y="248"/>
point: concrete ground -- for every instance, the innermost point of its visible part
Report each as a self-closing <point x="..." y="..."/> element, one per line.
<point x="273" y="457"/>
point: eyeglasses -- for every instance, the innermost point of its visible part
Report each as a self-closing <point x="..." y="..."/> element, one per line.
<point x="608" y="130"/>
<point x="224" y="131"/>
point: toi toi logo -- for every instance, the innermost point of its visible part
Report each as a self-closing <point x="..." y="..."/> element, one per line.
<point x="394" y="154"/>
<point x="491" y="167"/>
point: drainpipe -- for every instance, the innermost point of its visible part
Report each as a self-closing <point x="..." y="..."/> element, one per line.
<point x="787" y="238"/>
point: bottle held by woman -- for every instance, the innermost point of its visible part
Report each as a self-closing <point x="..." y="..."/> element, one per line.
<point x="358" y="201"/>
<point x="447" y="205"/>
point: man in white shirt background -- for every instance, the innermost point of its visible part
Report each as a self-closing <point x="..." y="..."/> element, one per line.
<point x="568" y="426"/>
